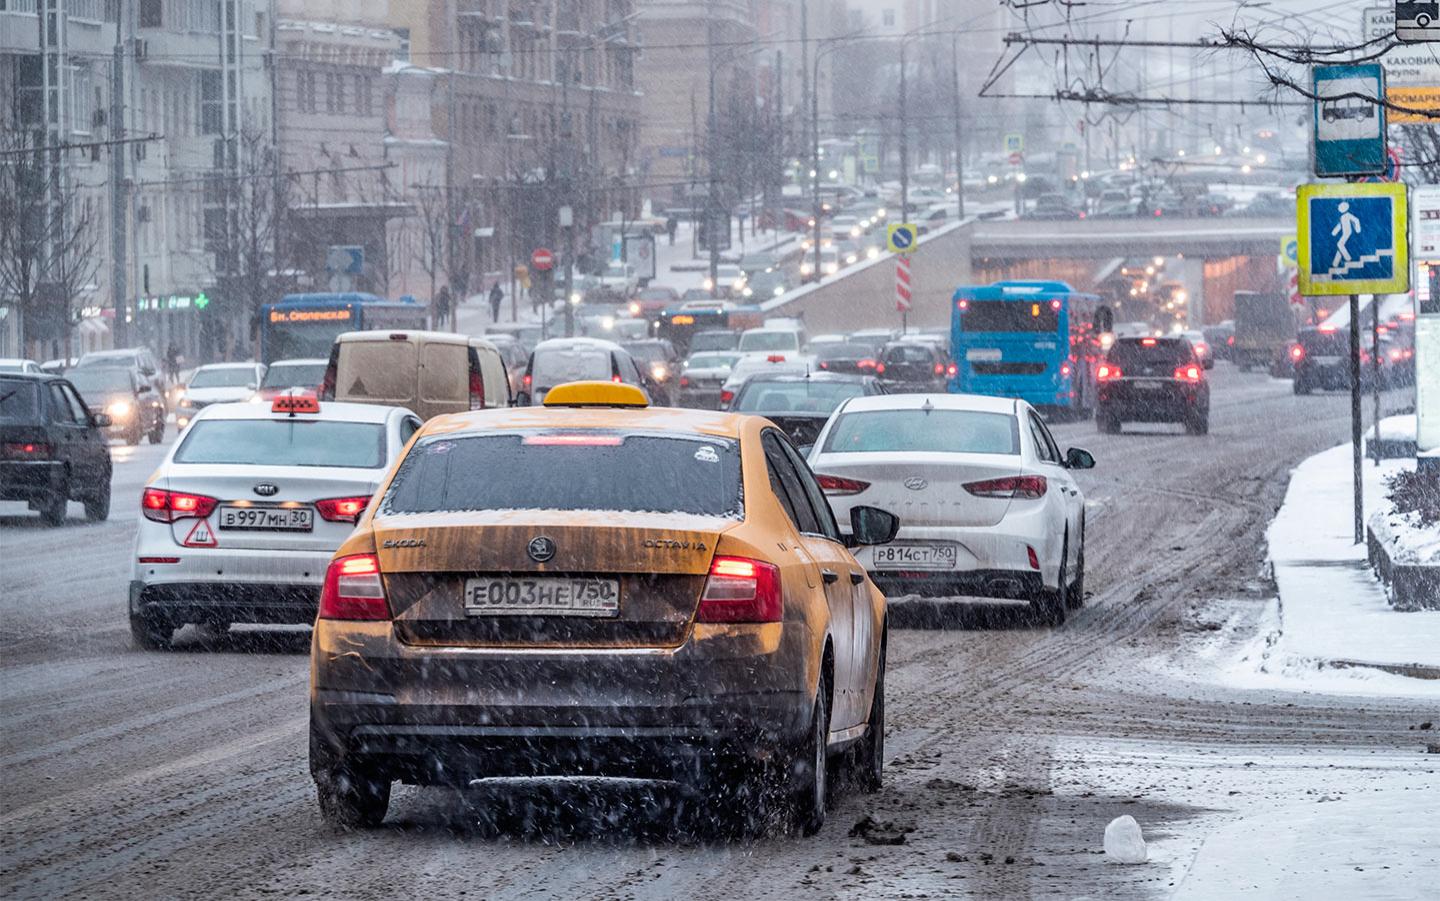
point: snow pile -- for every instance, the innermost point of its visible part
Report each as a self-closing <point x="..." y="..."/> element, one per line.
<point x="1124" y="842"/>
<point x="1396" y="428"/>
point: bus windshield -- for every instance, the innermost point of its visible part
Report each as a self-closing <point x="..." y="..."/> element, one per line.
<point x="990" y="316"/>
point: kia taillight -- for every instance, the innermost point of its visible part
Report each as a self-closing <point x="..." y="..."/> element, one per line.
<point x="838" y="485"/>
<point x="342" y="509"/>
<point x="477" y="390"/>
<point x="1107" y="371"/>
<point x="1031" y="487"/>
<point x="1188" y="373"/>
<point x="740" y="590"/>
<point x="25" y="450"/>
<point x="353" y="589"/>
<point x="168" y="506"/>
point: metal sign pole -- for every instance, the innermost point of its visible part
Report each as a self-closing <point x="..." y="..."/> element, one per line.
<point x="1375" y="368"/>
<point x="1355" y="412"/>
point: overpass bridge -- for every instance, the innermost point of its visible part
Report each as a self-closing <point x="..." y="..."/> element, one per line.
<point x="975" y="250"/>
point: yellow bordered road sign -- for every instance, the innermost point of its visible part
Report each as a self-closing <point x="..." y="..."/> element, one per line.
<point x="902" y="237"/>
<point x="1353" y="239"/>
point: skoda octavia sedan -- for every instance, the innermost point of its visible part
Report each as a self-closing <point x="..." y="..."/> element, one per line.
<point x="596" y="588"/>
<point x="241" y="518"/>
<point x="987" y="501"/>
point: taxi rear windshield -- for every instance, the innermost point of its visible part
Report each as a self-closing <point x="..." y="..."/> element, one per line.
<point x="1009" y="316"/>
<point x="569" y="471"/>
<point x="284" y="442"/>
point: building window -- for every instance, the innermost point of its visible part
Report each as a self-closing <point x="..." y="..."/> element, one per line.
<point x="364" y="98"/>
<point x="334" y="92"/>
<point x="151" y="14"/>
<point x="212" y="103"/>
<point x="82" y="90"/>
<point x="305" y="90"/>
<point x="402" y="53"/>
<point x="887" y="18"/>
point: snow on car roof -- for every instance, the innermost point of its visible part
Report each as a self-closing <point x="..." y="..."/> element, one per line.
<point x="331" y="410"/>
<point x="976" y="402"/>
<point x="210" y="366"/>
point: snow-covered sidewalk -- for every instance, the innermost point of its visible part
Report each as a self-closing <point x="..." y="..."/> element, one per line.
<point x="1333" y="611"/>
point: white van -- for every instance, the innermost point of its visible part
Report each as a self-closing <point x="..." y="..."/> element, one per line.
<point x="428" y="372"/>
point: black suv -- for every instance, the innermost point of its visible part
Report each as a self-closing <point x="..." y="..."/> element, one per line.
<point x="52" y="449"/>
<point x="1153" y="380"/>
<point x="907" y="367"/>
<point x="1320" y="358"/>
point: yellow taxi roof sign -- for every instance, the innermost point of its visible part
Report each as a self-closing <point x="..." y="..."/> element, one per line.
<point x="596" y="394"/>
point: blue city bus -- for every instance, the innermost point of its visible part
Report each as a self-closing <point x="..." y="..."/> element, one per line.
<point x="305" y="325"/>
<point x="1035" y="340"/>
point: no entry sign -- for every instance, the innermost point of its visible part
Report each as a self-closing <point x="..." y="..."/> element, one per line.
<point x="542" y="259"/>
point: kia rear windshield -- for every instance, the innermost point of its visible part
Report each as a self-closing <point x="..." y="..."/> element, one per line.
<point x="575" y="470"/>
<point x="922" y="431"/>
<point x="19" y="402"/>
<point x="987" y="316"/>
<point x="284" y="442"/>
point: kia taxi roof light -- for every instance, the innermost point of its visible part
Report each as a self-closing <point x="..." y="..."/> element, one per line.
<point x="295" y="404"/>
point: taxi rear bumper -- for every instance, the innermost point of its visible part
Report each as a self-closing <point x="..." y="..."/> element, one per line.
<point x="451" y="715"/>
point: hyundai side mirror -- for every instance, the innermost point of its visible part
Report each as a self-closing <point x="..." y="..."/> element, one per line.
<point x="1077" y="458"/>
<point x="871" y="525"/>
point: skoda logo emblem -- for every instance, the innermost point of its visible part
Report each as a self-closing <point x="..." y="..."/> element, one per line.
<point x="267" y="489"/>
<point x="541" y="549"/>
<point x="915" y="483"/>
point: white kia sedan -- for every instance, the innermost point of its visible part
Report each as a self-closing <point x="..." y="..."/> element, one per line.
<point x="242" y="517"/>
<point x="986" y="500"/>
<point x="217" y="383"/>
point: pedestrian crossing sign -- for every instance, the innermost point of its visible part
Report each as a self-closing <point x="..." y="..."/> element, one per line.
<point x="1353" y="239"/>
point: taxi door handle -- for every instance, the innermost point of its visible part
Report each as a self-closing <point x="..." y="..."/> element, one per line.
<point x="830" y="576"/>
<point x="857" y="578"/>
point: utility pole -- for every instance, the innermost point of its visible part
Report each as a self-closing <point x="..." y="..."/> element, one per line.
<point x="119" y="191"/>
<point x="904" y="142"/>
<point x="713" y="202"/>
<point x="959" y="135"/>
<point x="815" y="213"/>
<point x="804" y="65"/>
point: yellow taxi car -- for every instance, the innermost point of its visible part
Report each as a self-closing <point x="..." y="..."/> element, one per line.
<point x="594" y="587"/>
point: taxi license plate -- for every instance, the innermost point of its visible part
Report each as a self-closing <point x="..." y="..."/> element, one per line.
<point x="267" y="519"/>
<point x="541" y="596"/>
<point x="914" y="556"/>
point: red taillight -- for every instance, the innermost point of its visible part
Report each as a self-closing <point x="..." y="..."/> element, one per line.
<point x="353" y="589"/>
<point x="1148" y="342"/>
<point x="1031" y="487"/>
<point x="169" y="506"/>
<point x="879" y="368"/>
<point x="866" y="364"/>
<point x="1065" y="370"/>
<point x="526" y="380"/>
<point x="1297" y="353"/>
<point x="939" y="368"/>
<point x="477" y="390"/>
<point x="1230" y="341"/>
<point x="1055" y="304"/>
<point x="952" y="370"/>
<point x="726" y="396"/>
<point x="342" y="509"/>
<point x="1190" y="373"/>
<point x="962" y="305"/>
<point x="149" y="560"/>
<point x="837" y="485"/>
<point x="578" y="439"/>
<point x="740" y="590"/>
<point x="1107" y="371"/>
<point x="824" y="364"/>
<point x="26" y="450"/>
<point x="615" y="378"/>
<point x="775" y="358"/>
<point x="1034" y="558"/>
<point x="684" y="381"/>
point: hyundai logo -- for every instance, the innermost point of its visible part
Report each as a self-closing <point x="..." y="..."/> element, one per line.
<point x="915" y="483"/>
<point x="540" y="549"/>
<point x="267" y="489"/>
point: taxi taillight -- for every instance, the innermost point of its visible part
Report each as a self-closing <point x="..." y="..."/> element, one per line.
<point x="354" y="590"/>
<point x="741" y="590"/>
<point x="160" y="505"/>
<point x="342" y="509"/>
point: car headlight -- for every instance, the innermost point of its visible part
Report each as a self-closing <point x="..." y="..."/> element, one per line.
<point x="851" y="260"/>
<point x="748" y="292"/>
<point x="779" y="290"/>
<point x="607" y="322"/>
<point x="660" y="372"/>
<point x="634" y="309"/>
<point x="806" y="269"/>
<point x="873" y="253"/>
<point x="121" y="409"/>
<point x="575" y="297"/>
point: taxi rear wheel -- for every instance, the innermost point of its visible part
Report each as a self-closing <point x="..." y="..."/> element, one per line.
<point x="811" y="770"/>
<point x="353" y="794"/>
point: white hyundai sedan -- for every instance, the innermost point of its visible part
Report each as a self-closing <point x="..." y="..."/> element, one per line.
<point x="986" y="501"/>
<point x="243" y="515"/>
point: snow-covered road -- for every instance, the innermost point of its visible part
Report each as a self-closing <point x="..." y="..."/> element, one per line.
<point x="130" y="774"/>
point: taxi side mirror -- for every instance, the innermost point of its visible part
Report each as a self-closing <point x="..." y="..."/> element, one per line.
<point x="871" y="525"/>
<point x="1077" y="458"/>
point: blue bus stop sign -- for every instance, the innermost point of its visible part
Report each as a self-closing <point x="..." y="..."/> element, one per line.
<point x="1349" y="121"/>
<point x="1353" y="239"/>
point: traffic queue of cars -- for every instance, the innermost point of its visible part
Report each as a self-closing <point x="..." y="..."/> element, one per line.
<point x="572" y="579"/>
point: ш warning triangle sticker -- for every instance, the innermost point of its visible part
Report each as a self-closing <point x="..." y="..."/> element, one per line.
<point x="201" y="536"/>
